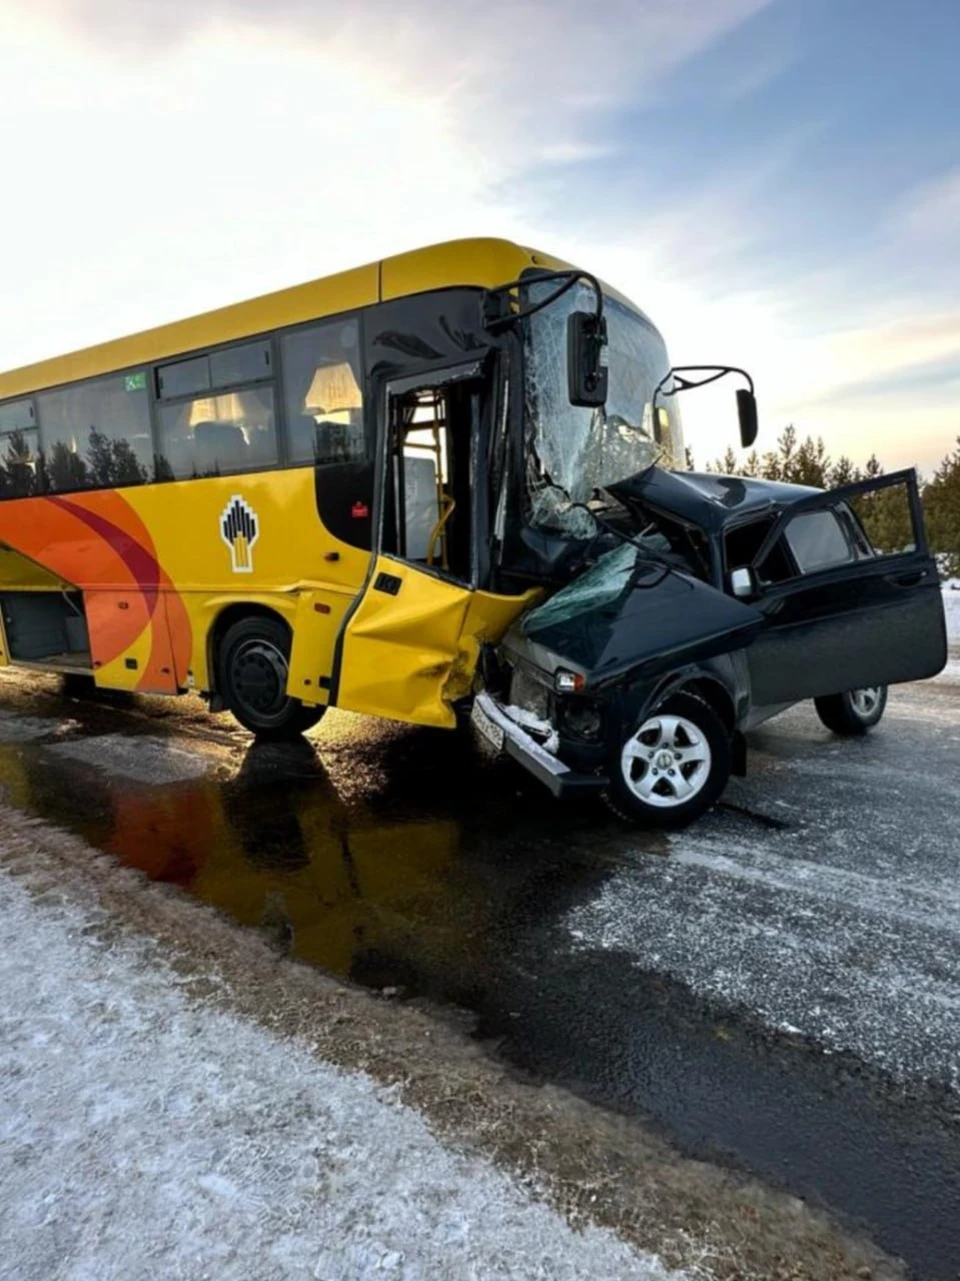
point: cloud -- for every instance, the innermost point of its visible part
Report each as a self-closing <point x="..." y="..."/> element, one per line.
<point x="172" y="155"/>
<point x="933" y="209"/>
<point x="515" y="73"/>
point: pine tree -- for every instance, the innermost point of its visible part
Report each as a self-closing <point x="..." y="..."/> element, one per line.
<point x="843" y="472"/>
<point x="100" y="458"/>
<point x="752" y="465"/>
<point x="941" y="501"/>
<point x="66" y="470"/>
<point x="809" y="464"/>
<point x="21" y="474"/>
<point x="126" y="467"/>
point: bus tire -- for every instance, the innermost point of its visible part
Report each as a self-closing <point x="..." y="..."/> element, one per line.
<point x="253" y="666"/>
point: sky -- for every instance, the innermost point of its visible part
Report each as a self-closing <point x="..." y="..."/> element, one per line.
<point x="775" y="182"/>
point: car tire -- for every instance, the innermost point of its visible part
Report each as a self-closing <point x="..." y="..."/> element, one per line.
<point x="254" y="662"/>
<point x="685" y="735"/>
<point x="853" y="713"/>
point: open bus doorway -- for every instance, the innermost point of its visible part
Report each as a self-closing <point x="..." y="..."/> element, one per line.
<point x="428" y="498"/>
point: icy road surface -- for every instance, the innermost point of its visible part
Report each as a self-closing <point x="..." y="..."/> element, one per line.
<point x="780" y="984"/>
<point x="843" y="925"/>
<point x="142" y="1136"/>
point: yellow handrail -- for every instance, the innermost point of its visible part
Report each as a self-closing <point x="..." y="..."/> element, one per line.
<point x="438" y="531"/>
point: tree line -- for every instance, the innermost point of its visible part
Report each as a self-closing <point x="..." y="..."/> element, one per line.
<point x="885" y="515"/>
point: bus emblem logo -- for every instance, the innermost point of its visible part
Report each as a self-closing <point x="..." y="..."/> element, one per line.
<point x="240" y="529"/>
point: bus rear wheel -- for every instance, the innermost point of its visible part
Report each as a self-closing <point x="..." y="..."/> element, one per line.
<point x="254" y="663"/>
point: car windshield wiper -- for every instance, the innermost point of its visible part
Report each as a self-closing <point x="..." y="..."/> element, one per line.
<point x="646" y="553"/>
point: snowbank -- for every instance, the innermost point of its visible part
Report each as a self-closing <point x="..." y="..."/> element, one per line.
<point x="144" y="1135"/>
<point x="951" y="605"/>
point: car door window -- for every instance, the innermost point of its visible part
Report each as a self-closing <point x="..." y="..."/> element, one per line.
<point x="817" y="541"/>
<point x="745" y="541"/>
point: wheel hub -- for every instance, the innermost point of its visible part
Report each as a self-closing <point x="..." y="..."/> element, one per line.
<point x="865" y="700"/>
<point x="666" y="762"/>
<point x="260" y="677"/>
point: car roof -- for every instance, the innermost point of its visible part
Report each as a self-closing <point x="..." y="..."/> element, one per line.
<point x="705" y="499"/>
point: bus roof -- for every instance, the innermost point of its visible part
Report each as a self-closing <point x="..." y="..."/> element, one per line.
<point x="479" y="262"/>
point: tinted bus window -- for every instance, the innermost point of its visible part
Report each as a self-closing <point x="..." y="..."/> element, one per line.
<point x="18" y="463"/>
<point x="214" y="435"/>
<point x="184" y="378"/>
<point x="97" y="434"/>
<point x="17" y="415"/>
<point x="322" y="390"/>
<point x="245" y="364"/>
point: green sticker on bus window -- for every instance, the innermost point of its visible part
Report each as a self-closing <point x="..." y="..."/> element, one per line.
<point x="136" y="382"/>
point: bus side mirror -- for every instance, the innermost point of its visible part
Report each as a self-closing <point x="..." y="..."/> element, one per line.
<point x="747" y="413"/>
<point x="587" y="372"/>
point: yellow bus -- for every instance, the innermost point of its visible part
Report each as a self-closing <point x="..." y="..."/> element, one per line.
<point x="331" y="495"/>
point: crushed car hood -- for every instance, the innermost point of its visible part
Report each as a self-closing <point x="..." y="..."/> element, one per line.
<point x="627" y="614"/>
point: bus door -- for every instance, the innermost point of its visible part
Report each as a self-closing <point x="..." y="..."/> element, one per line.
<point x="408" y="648"/>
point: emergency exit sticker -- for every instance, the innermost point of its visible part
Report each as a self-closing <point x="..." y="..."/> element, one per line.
<point x="135" y="382"/>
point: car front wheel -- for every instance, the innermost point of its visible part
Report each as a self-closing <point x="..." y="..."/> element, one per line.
<point x="672" y="767"/>
<point x="854" y="712"/>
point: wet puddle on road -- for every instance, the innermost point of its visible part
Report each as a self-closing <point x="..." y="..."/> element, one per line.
<point x="400" y="860"/>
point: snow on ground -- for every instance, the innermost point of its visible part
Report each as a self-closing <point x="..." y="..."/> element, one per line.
<point x="951" y="606"/>
<point x="143" y="1135"/>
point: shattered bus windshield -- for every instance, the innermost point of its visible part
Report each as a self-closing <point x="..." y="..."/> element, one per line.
<point x="572" y="450"/>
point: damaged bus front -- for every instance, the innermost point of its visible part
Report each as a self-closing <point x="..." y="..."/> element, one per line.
<point x="681" y="609"/>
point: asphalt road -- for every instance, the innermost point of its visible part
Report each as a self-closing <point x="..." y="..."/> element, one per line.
<point x="778" y="987"/>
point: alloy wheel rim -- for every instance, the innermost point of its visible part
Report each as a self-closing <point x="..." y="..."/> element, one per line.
<point x="865" y="700"/>
<point x="666" y="762"/>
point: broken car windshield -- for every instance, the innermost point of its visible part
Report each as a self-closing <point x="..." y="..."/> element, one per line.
<point x="571" y="450"/>
<point x="599" y="586"/>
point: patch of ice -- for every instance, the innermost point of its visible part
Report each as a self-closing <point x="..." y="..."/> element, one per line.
<point x="26" y="729"/>
<point x="140" y="758"/>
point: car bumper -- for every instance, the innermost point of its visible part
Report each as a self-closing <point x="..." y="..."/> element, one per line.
<point x="525" y="749"/>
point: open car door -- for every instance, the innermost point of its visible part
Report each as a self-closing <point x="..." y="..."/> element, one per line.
<point x="409" y="646"/>
<point x="842" y="613"/>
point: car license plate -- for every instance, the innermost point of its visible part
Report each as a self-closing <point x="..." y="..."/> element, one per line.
<point x="490" y="730"/>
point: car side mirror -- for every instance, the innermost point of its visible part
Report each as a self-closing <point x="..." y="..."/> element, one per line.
<point x="587" y="359"/>
<point x="747" y="413"/>
<point x="742" y="583"/>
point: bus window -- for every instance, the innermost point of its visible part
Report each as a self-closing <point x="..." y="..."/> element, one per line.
<point x="214" y="435"/>
<point x="248" y="363"/>
<point x="229" y="367"/>
<point x="183" y="378"/>
<point x="17" y="415"/>
<point x="18" y="462"/>
<point x="97" y="434"/>
<point x="321" y="385"/>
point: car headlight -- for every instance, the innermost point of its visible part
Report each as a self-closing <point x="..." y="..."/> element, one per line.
<point x="569" y="682"/>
